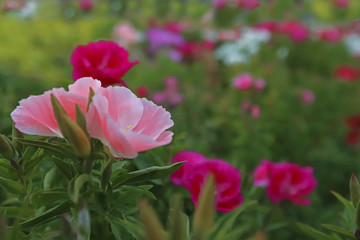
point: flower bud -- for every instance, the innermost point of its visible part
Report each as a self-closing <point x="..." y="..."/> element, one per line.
<point x="5" y="148"/>
<point x="354" y="190"/>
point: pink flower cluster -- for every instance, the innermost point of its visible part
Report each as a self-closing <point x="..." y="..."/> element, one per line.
<point x="330" y="35"/>
<point x="246" y="81"/>
<point x="194" y="172"/>
<point x="170" y="95"/>
<point x="285" y="181"/>
<point x="119" y="119"/>
<point x="295" y="30"/>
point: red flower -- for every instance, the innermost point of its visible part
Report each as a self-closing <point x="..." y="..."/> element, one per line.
<point x="193" y="174"/>
<point x="142" y="91"/>
<point x="347" y="73"/>
<point x="353" y="123"/>
<point x="103" y="60"/>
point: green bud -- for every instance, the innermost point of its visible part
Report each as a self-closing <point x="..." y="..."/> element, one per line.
<point x="16" y="134"/>
<point x="71" y="131"/>
<point x="5" y="148"/>
<point x="204" y="214"/>
<point x="354" y="190"/>
<point x="152" y="225"/>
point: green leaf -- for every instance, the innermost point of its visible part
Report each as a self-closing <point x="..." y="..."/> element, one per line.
<point x="348" y="205"/>
<point x="47" y="216"/>
<point x="63" y="166"/>
<point x="48" y="196"/>
<point x="133" y="192"/>
<point x="56" y="148"/>
<point x="76" y="185"/>
<point x="29" y="165"/>
<point x="145" y="174"/>
<point x="340" y="230"/>
<point x="7" y="170"/>
<point x="11" y="186"/>
<point x="315" y="233"/>
<point x="179" y="222"/>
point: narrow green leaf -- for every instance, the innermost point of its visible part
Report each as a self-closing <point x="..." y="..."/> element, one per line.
<point x="315" y="233"/>
<point x="340" y="230"/>
<point x="47" y="216"/>
<point x="17" y="134"/>
<point x="29" y="165"/>
<point x="56" y="148"/>
<point x="354" y="190"/>
<point x="63" y="166"/>
<point x="145" y="174"/>
<point x="131" y="193"/>
<point x="348" y="205"/>
<point x="11" y="186"/>
<point x="45" y="197"/>
<point x="178" y="224"/>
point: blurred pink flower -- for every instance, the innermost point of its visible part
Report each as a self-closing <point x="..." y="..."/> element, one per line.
<point x="218" y="4"/>
<point x="243" y="82"/>
<point x="170" y="95"/>
<point x="342" y="3"/>
<point x="229" y="34"/>
<point x="142" y="91"/>
<point x="262" y="172"/>
<point x="295" y="30"/>
<point x="193" y="174"/>
<point x="245" y="105"/>
<point x="255" y="111"/>
<point x="103" y="60"/>
<point x="346" y="72"/>
<point x="259" y="84"/>
<point x="331" y="35"/>
<point x="285" y="181"/>
<point x="191" y="158"/>
<point x="86" y="5"/>
<point x="268" y="25"/>
<point x="290" y="182"/>
<point x="248" y="4"/>
<point x="126" y="123"/>
<point x="11" y="5"/>
<point x="307" y="97"/>
<point x="125" y="34"/>
<point x="35" y="115"/>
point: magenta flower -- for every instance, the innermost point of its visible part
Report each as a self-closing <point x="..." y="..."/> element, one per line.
<point x="126" y="123"/>
<point x="295" y="30"/>
<point x="342" y="3"/>
<point x="190" y="159"/>
<point x="193" y="174"/>
<point x="243" y="82"/>
<point x="120" y="120"/>
<point x="35" y="114"/>
<point x="86" y="5"/>
<point x="262" y="173"/>
<point x="218" y="4"/>
<point x="330" y="35"/>
<point x="103" y="60"/>
<point x="285" y="181"/>
<point x="307" y="97"/>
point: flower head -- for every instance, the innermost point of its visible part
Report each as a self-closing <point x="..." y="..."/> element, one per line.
<point x="243" y="82"/>
<point x="103" y="60"/>
<point x="346" y="72"/>
<point x="193" y="174"/>
<point x="307" y="97"/>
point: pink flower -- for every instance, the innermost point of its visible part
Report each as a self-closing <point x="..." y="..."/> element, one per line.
<point x="331" y="35"/>
<point x="218" y="4"/>
<point x="125" y="34"/>
<point x="120" y="120"/>
<point x="262" y="173"/>
<point x="229" y="34"/>
<point x="86" y="5"/>
<point x="245" y="105"/>
<point x="248" y="4"/>
<point x="268" y="25"/>
<point x="191" y="158"/>
<point x="295" y="30"/>
<point x="346" y="72"/>
<point x="290" y="182"/>
<point x="255" y="111"/>
<point x="103" y="60"/>
<point x="193" y="174"/>
<point x="307" y="97"/>
<point x="127" y="124"/>
<point x="142" y="91"/>
<point x="35" y="114"/>
<point x="285" y="181"/>
<point x="259" y="84"/>
<point x="342" y="3"/>
<point x="171" y="94"/>
<point x="243" y="82"/>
